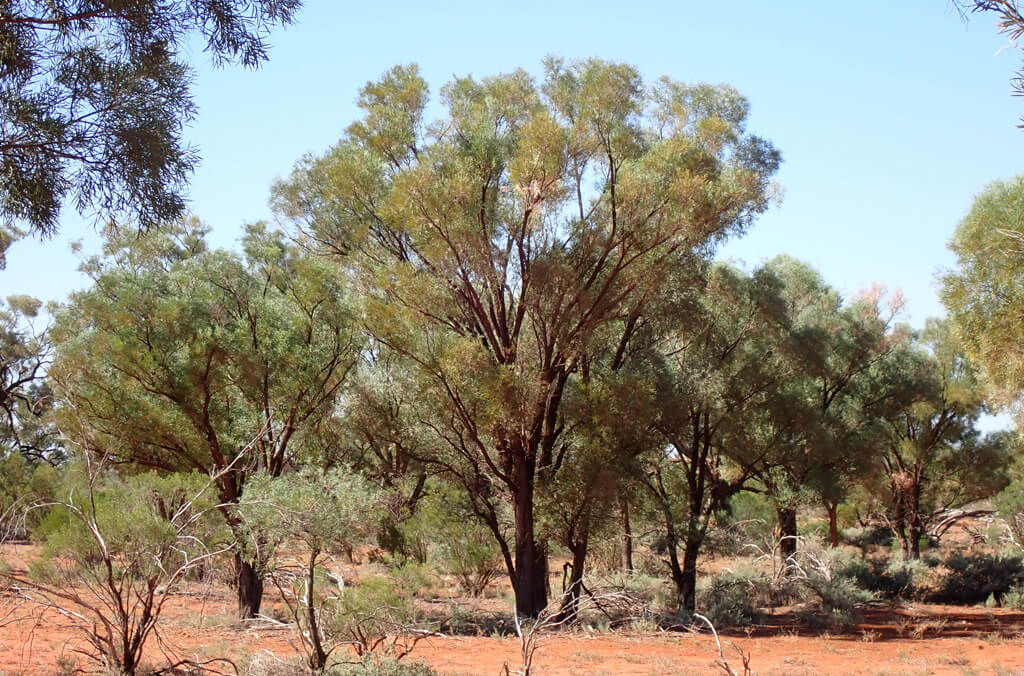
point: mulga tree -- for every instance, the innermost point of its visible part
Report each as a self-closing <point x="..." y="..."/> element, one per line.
<point x="822" y="420"/>
<point x="716" y="367"/>
<point x="494" y="243"/>
<point x="181" y="358"/>
<point x="934" y="457"/>
<point x="326" y="512"/>
<point x="985" y="292"/>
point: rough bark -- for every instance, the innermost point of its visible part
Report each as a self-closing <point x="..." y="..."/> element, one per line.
<point x="787" y="531"/>
<point x="250" y="588"/>
<point x="627" y="535"/>
<point x="833" y="523"/>
<point x="530" y="582"/>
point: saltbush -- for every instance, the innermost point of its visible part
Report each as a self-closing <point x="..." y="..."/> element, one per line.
<point x="730" y="599"/>
<point x="972" y="578"/>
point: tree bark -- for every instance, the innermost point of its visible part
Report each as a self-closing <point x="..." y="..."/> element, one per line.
<point x="833" y="523"/>
<point x="787" y="531"/>
<point x="687" y="589"/>
<point x="318" y="656"/>
<point x="530" y="583"/>
<point x="571" y="594"/>
<point x="250" y="588"/>
<point x="627" y="535"/>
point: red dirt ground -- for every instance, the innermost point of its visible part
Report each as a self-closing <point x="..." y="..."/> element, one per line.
<point x="917" y="639"/>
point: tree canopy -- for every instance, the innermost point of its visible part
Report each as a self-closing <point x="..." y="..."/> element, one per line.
<point x="495" y="243"/>
<point x="94" y="96"/>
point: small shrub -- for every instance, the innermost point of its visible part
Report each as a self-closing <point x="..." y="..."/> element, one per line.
<point x="879" y="536"/>
<point x="972" y="578"/>
<point x="834" y="594"/>
<point x="889" y="578"/>
<point x="376" y="665"/>
<point x="1014" y="598"/>
<point x="730" y="599"/>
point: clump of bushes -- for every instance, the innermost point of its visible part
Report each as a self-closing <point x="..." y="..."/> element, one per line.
<point x="369" y="665"/>
<point x="972" y="578"/>
<point x="732" y="599"/>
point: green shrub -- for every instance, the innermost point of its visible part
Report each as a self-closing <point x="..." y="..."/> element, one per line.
<point x="1014" y="598"/>
<point x="730" y="599"/>
<point x="868" y="536"/>
<point x="972" y="578"/>
<point x="375" y="665"/>
<point x="828" y="578"/>
<point x="889" y="578"/>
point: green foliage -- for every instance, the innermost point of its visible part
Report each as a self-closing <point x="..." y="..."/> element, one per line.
<point x="731" y="599"/>
<point x="100" y="122"/>
<point x="376" y="616"/>
<point x="209" y="359"/>
<point x="1009" y="503"/>
<point x="971" y="578"/>
<point x="23" y="483"/>
<point x="375" y="665"/>
<point x="886" y="577"/>
<point x="1014" y="598"/>
<point x="328" y="512"/>
<point x="114" y="552"/>
<point x="503" y="245"/>
<point x="985" y="292"/>
<point x="826" y="581"/>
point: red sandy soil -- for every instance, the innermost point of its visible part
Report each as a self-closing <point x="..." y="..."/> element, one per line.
<point x="916" y="639"/>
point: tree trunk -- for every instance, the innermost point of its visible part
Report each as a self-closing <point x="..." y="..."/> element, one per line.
<point x="317" y="655"/>
<point x="250" y="588"/>
<point x="530" y="583"/>
<point x="787" y="531"/>
<point x="915" y="533"/>
<point x="687" y="586"/>
<point x="627" y="535"/>
<point x="571" y="594"/>
<point x="833" y="523"/>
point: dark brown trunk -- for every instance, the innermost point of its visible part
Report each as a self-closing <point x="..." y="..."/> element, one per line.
<point x="317" y="655"/>
<point x="574" y="588"/>
<point x="915" y="533"/>
<point x="627" y="535"/>
<point x="833" y="524"/>
<point x="787" y="531"/>
<point x="250" y="588"/>
<point x="530" y="583"/>
<point x="687" y="585"/>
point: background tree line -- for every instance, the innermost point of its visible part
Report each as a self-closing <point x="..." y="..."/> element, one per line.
<point x="503" y="332"/>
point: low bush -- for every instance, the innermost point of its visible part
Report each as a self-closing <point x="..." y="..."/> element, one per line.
<point x="369" y="665"/>
<point x="731" y="599"/>
<point x="1014" y="598"/>
<point x="827" y="578"/>
<point x="974" y="577"/>
<point x="890" y="578"/>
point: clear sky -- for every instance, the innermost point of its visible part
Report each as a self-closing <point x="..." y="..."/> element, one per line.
<point x="891" y="116"/>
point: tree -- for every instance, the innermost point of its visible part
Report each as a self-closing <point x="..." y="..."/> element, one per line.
<point x="490" y="262"/>
<point x="1010" y="22"/>
<point x="25" y="397"/>
<point x="326" y="513"/>
<point x="719" y="361"/>
<point x="935" y="459"/>
<point x="823" y="422"/>
<point x="985" y="293"/>
<point x="178" y="357"/>
<point x="94" y="96"/>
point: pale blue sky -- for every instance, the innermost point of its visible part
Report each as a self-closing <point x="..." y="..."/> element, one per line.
<point x="890" y="116"/>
